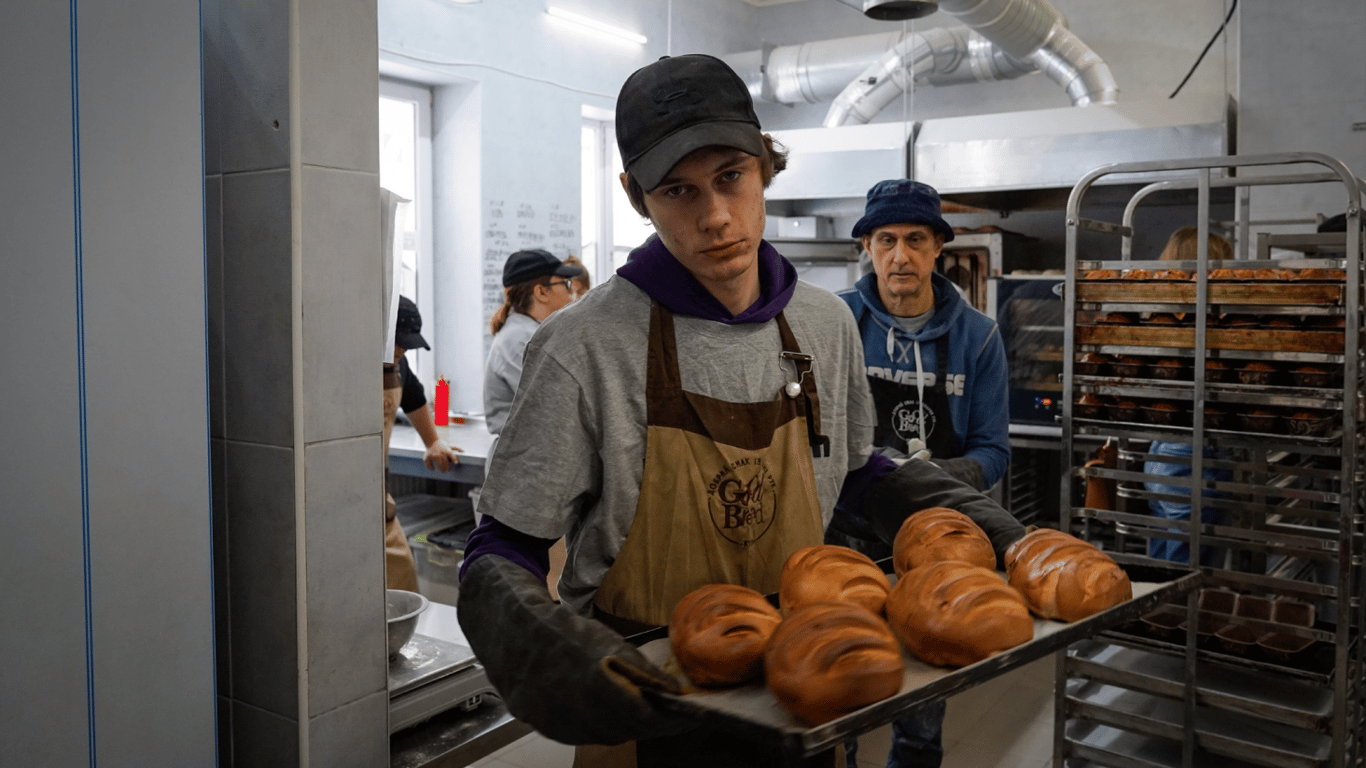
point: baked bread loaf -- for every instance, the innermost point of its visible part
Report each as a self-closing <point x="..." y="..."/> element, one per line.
<point x="826" y="573"/>
<point x="1171" y="274"/>
<point x="937" y="534"/>
<point x="718" y="633"/>
<point x="953" y="614"/>
<point x="829" y="659"/>
<point x="1063" y="577"/>
<point x="1102" y="274"/>
<point x="1136" y="274"/>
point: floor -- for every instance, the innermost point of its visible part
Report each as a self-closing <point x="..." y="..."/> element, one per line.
<point x="1004" y="723"/>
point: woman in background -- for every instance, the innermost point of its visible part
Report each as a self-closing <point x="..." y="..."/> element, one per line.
<point x="1183" y="245"/>
<point x="535" y="284"/>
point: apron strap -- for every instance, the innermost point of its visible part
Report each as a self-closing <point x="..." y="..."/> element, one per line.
<point x="820" y="444"/>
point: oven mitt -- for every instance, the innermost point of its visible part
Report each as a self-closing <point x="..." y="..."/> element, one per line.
<point x="570" y="677"/>
<point x="963" y="469"/>
<point x="918" y="485"/>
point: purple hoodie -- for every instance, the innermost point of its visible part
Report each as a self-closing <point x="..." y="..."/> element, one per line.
<point x="654" y="270"/>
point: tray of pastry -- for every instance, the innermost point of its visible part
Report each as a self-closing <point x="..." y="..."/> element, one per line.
<point x="752" y="711"/>
<point x="1329" y="342"/>
<point x="1263" y="293"/>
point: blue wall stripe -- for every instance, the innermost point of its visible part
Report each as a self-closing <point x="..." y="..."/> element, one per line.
<point x="208" y="382"/>
<point x="80" y="379"/>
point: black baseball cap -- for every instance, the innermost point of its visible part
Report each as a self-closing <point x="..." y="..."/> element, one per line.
<point x="677" y="105"/>
<point x="409" y="330"/>
<point x="529" y="265"/>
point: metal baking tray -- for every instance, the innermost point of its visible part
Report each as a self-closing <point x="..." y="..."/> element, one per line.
<point x="751" y="711"/>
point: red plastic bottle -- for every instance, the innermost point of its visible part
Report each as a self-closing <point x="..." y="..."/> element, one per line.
<point x="442" y="407"/>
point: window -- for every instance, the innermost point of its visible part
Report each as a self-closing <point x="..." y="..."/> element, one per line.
<point x="610" y="227"/>
<point x="405" y="169"/>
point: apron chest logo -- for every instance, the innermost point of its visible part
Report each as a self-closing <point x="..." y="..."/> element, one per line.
<point x="906" y="417"/>
<point x="741" y="498"/>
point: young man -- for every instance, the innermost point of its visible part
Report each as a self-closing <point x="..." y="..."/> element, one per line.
<point x="702" y="365"/>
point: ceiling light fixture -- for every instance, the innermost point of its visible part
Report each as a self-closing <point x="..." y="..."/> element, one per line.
<point x="594" y="27"/>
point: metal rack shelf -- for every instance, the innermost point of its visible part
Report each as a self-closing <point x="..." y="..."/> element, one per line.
<point x="1274" y="514"/>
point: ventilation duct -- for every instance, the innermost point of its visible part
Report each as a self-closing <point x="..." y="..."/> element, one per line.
<point x="1004" y="39"/>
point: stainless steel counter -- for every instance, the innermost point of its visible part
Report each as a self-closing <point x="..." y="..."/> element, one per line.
<point x="473" y="440"/>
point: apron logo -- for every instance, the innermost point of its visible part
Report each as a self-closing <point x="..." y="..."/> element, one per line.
<point x="741" y="500"/>
<point x="906" y="417"/>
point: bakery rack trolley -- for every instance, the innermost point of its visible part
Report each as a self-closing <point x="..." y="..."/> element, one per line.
<point x="1261" y="367"/>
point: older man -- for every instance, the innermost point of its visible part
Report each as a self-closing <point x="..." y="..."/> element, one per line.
<point x="937" y="370"/>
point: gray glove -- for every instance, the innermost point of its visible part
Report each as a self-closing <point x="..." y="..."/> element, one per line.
<point x="918" y="485"/>
<point x="963" y="469"/>
<point x="570" y="677"/>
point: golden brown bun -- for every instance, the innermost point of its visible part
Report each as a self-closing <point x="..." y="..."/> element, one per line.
<point x="826" y="573"/>
<point x="1063" y="577"/>
<point x="1223" y="274"/>
<point x="829" y="659"/>
<point x="1136" y="274"/>
<point x="939" y="533"/>
<point x="1162" y="318"/>
<point x="1171" y="274"/>
<point x="718" y="633"/>
<point x="1161" y="406"/>
<point x="1168" y="363"/>
<point x="1117" y="318"/>
<point x="953" y="614"/>
<point x="1101" y="274"/>
<point x="1259" y="367"/>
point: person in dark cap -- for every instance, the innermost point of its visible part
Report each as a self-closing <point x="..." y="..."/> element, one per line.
<point x="403" y="390"/>
<point x="535" y="285"/>
<point x="937" y="370"/>
<point x="692" y="420"/>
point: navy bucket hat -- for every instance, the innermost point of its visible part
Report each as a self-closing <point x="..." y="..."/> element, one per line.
<point x="902" y="201"/>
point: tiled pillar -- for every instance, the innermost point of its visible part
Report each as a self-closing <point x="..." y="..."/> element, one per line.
<point x="291" y="136"/>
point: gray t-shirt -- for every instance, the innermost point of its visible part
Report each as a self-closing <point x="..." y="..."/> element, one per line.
<point x="914" y="323"/>
<point x="503" y="370"/>
<point x="571" y="457"/>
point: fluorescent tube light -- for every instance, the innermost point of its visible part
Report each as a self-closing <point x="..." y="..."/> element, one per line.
<point x="594" y="27"/>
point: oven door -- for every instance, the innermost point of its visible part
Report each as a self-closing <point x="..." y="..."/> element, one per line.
<point x="1029" y="311"/>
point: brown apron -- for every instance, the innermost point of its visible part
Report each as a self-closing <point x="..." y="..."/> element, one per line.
<point x="400" y="571"/>
<point x="728" y="492"/>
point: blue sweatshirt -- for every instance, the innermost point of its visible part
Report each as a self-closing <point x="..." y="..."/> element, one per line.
<point x="977" y="375"/>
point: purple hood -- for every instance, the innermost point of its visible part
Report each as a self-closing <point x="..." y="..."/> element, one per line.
<point x="652" y="269"/>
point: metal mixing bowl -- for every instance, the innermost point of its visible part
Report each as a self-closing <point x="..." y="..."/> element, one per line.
<point x="402" y="609"/>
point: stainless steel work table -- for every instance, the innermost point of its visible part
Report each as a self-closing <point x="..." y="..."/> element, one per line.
<point x="406" y="451"/>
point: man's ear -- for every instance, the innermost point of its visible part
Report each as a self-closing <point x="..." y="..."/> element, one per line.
<point x="624" y="186"/>
<point x="868" y="243"/>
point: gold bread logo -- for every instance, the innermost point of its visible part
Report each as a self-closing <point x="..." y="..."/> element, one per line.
<point x="742" y="498"/>
<point x="906" y="418"/>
